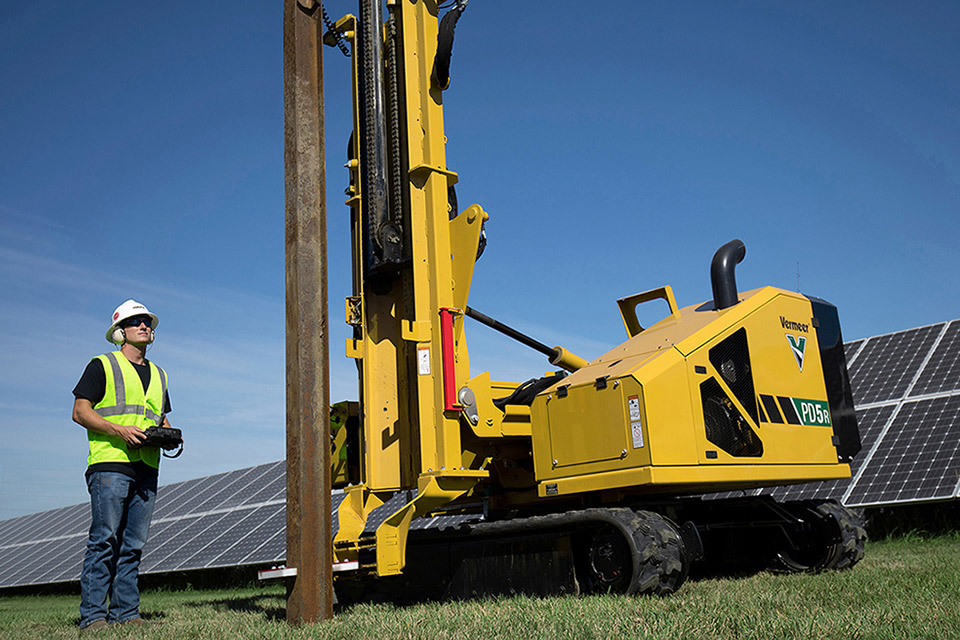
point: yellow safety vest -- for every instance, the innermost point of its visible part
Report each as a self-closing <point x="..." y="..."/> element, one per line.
<point x="124" y="402"/>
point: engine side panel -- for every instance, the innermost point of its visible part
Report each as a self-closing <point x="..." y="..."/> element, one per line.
<point x="741" y="391"/>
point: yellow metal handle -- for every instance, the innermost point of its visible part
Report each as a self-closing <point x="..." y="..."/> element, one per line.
<point x="628" y="307"/>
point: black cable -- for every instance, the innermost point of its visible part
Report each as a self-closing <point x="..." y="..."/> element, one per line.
<point x="336" y="34"/>
<point x="441" y="63"/>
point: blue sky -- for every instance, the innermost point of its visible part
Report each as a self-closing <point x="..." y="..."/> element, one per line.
<point x="615" y="147"/>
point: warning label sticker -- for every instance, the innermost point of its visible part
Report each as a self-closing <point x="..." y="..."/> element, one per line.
<point x="423" y="361"/>
<point x="637" y="428"/>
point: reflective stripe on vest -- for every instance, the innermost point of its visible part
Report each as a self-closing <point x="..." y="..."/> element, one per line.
<point x="125" y="402"/>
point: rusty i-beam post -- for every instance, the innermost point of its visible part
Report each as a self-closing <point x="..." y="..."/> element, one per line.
<point x="309" y="594"/>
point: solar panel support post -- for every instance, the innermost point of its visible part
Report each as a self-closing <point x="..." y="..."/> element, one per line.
<point x="309" y="594"/>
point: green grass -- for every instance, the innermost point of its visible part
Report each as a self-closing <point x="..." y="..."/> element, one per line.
<point x="904" y="588"/>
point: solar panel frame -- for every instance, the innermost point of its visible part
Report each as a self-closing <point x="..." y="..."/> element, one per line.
<point x="187" y="505"/>
<point x="8" y="556"/>
<point x="59" y="555"/>
<point x="336" y="498"/>
<point x="273" y="549"/>
<point x="941" y="374"/>
<point x="55" y="548"/>
<point x="273" y="517"/>
<point x="851" y="350"/>
<point x="168" y="501"/>
<point x="229" y="534"/>
<point x="230" y="487"/>
<point x="887" y="366"/>
<point x="67" y="567"/>
<point x="22" y="532"/>
<point x="20" y="571"/>
<point x="894" y="473"/>
<point x="70" y="569"/>
<point x="256" y="479"/>
<point x="229" y="548"/>
<point x="872" y="422"/>
<point x="824" y="490"/>
<point x="62" y="554"/>
<point x="14" y="558"/>
<point x="159" y="546"/>
<point x="159" y="530"/>
<point x="172" y="491"/>
<point x="187" y="541"/>
<point x="213" y="520"/>
<point x="275" y="482"/>
<point x="75" y="519"/>
<point x="897" y="403"/>
<point x="7" y="527"/>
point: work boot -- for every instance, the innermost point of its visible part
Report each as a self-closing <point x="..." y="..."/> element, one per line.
<point x="134" y="622"/>
<point x="94" y="627"/>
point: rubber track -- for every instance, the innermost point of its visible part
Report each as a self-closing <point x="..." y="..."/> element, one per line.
<point x="659" y="565"/>
<point x="847" y="551"/>
<point x="853" y="537"/>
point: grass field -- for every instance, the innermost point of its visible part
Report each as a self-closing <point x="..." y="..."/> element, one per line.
<point x="904" y="588"/>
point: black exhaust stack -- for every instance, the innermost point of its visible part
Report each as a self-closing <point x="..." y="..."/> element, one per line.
<point x="722" y="275"/>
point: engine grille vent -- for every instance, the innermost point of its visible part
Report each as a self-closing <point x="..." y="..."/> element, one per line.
<point x="732" y="359"/>
<point x="725" y="426"/>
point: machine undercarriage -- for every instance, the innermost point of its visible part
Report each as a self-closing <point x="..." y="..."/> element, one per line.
<point x="628" y="550"/>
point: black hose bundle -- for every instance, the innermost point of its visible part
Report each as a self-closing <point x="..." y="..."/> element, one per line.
<point x="441" y="64"/>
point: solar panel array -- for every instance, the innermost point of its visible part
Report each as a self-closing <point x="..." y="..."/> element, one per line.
<point x="226" y="520"/>
<point x="906" y="388"/>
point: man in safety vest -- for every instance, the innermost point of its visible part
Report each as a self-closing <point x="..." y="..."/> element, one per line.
<point x="119" y="395"/>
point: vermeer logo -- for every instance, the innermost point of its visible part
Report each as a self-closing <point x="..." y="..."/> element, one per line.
<point x="798" y="345"/>
<point x="794" y="326"/>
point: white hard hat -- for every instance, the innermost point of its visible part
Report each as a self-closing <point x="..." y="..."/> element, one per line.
<point x="128" y="309"/>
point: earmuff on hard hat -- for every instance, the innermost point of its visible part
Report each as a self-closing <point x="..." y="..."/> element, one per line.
<point x="118" y="337"/>
<point x="128" y="309"/>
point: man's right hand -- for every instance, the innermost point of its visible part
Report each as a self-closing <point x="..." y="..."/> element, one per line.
<point x="133" y="436"/>
<point x="84" y="415"/>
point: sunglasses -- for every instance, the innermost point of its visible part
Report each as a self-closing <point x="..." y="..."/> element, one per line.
<point x="136" y="321"/>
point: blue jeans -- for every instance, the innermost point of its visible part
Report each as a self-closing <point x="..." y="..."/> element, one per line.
<point x="121" y="508"/>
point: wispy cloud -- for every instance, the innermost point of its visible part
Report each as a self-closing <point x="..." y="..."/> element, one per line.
<point x="227" y="376"/>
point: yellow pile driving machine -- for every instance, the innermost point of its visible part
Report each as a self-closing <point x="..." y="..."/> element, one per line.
<point x="591" y="478"/>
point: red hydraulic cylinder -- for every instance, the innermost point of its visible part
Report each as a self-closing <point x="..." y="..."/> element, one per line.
<point x="449" y="361"/>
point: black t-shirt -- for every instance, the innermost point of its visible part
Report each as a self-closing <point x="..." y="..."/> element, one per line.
<point x="93" y="386"/>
